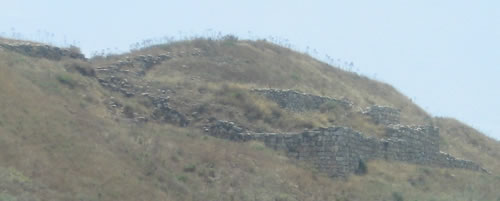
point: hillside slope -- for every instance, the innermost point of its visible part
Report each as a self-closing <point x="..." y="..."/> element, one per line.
<point x="64" y="136"/>
<point x="260" y="64"/>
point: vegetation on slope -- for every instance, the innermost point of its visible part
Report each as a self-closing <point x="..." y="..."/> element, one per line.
<point x="262" y="64"/>
<point x="59" y="141"/>
<point x="465" y="142"/>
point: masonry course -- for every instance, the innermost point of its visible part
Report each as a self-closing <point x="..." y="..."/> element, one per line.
<point x="299" y="102"/>
<point x="383" y="114"/>
<point x="339" y="151"/>
<point x="42" y="51"/>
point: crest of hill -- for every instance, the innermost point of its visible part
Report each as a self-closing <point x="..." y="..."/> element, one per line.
<point x="260" y="64"/>
<point x="59" y="140"/>
<point x="40" y="50"/>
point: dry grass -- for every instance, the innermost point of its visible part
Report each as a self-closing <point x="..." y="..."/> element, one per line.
<point x="59" y="141"/>
<point x="420" y="183"/>
<point x="9" y="40"/>
<point x="258" y="64"/>
<point x="263" y="64"/>
<point x="465" y="142"/>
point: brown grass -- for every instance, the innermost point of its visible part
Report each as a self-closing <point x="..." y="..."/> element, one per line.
<point x="59" y="142"/>
<point x="465" y="142"/>
<point x="261" y="64"/>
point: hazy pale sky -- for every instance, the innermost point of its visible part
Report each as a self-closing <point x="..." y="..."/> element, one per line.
<point x="443" y="54"/>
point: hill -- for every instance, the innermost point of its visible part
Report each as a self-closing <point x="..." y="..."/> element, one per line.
<point x="131" y="127"/>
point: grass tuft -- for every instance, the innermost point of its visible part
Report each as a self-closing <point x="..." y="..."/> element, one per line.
<point x="67" y="80"/>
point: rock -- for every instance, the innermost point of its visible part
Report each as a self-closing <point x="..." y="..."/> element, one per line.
<point x="164" y="57"/>
<point x="299" y="102"/>
<point x="383" y="115"/>
<point x="226" y="130"/>
<point x="194" y="115"/>
<point x="141" y="119"/>
<point x="43" y="51"/>
<point x="129" y="94"/>
<point x="338" y="151"/>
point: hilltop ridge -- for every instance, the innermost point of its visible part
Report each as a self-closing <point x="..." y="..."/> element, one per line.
<point x="41" y="50"/>
<point x="134" y="126"/>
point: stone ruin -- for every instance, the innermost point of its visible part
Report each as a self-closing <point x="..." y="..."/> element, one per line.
<point x="340" y="151"/>
<point x="123" y="76"/>
<point x="126" y="77"/>
<point x="299" y="102"/>
<point x="383" y="115"/>
<point x="41" y="51"/>
<point x="337" y="151"/>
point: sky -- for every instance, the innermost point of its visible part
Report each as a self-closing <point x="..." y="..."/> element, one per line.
<point x="445" y="54"/>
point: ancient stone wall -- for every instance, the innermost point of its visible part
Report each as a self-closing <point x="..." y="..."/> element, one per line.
<point x="383" y="115"/>
<point x="339" y="151"/>
<point x="299" y="102"/>
<point x="43" y="51"/>
<point x="126" y="76"/>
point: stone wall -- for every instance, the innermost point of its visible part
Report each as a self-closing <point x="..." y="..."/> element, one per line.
<point x="383" y="115"/>
<point x="339" y="151"/>
<point x="43" y="51"/>
<point x="126" y="76"/>
<point x="299" y="102"/>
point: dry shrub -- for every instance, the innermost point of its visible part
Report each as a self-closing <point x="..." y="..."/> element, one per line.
<point x="67" y="79"/>
<point x="81" y="67"/>
<point x="260" y="112"/>
<point x="253" y="107"/>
